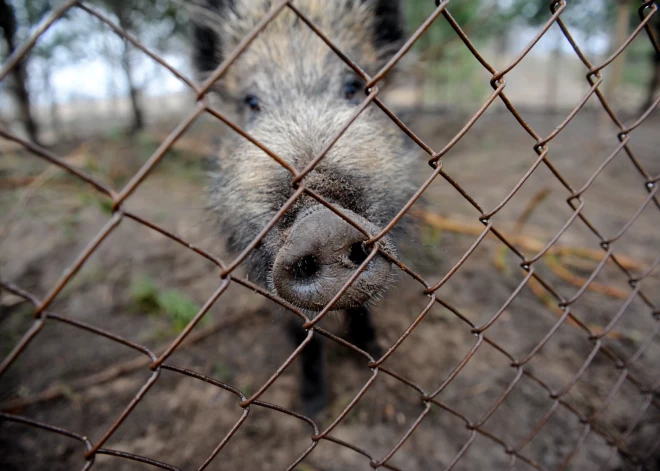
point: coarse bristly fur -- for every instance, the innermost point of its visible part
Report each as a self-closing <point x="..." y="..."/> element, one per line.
<point x="300" y="87"/>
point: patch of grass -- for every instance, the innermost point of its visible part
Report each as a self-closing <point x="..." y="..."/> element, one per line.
<point x="145" y="295"/>
<point x="105" y="205"/>
<point x="177" y="307"/>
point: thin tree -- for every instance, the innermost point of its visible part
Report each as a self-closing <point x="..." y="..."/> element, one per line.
<point x="622" y="24"/>
<point x="155" y="24"/>
<point x="19" y="87"/>
<point x="65" y="46"/>
<point x="654" y="83"/>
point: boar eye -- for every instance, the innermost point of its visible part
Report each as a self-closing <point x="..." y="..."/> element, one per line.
<point x="253" y="102"/>
<point x="351" y="88"/>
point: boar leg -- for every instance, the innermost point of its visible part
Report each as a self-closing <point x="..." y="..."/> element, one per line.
<point x="313" y="391"/>
<point x="361" y="331"/>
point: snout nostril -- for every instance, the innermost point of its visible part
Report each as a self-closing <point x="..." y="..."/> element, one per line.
<point x="305" y="268"/>
<point x="321" y="254"/>
<point x="358" y="254"/>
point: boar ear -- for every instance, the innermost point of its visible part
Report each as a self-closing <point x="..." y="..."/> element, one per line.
<point x="207" y="49"/>
<point x="207" y="44"/>
<point x="389" y="27"/>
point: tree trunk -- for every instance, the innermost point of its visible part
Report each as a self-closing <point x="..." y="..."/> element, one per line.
<point x="138" y="119"/>
<point x="127" y="66"/>
<point x="654" y="83"/>
<point x="23" y="98"/>
<point x="620" y="36"/>
<point x="19" y="73"/>
<point x="614" y="71"/>
<point x="55" y="122"/>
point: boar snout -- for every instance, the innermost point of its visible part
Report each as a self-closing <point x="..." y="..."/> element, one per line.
<point x="320" y="254"/>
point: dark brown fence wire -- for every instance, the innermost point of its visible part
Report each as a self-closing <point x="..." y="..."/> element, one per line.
<point x="429" y="399"/>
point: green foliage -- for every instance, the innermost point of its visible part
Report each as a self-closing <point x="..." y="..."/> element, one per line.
<point x="438" y="47"/>
<point x="440" y="31"/>
<point x="587" y="15"/>
<point x="492" y="17"/>
<point x="77" y="37"/>
<point x="451" y="73"/>
<point x="29" y="13"/>
<point x="177" y="307"/>
<point x="105" y="205"/>
<point x="62" y="44"/>
<point x="137" y="16"/>
<point x="145" y="295"/>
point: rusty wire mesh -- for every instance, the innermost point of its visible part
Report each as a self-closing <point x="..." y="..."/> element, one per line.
<point x="429" y="399"/>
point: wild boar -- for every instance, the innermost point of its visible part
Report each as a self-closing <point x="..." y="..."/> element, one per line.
<point x="293" y="94"/>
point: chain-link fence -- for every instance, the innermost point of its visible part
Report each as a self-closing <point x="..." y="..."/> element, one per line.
<point x="617" y="444"/>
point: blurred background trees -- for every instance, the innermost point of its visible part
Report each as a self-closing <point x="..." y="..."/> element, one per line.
<point x="79" y="39"/>
<point x="501" y="28"/>
<point x="82" y="60"/>
<point x="155" y="24"/>
<point x="17" y="19"/>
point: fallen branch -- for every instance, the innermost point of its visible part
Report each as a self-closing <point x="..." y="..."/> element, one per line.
<point x="540" y="292"/>
<point x="534" y="202"/>
<point x="551" y="259"/>
<point x="566" y="275"/>
<point x="528" y="243"/>
<point x="61" y="390"/>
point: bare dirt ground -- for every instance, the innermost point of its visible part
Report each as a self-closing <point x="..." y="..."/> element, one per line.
<point x="143" y="286"/>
